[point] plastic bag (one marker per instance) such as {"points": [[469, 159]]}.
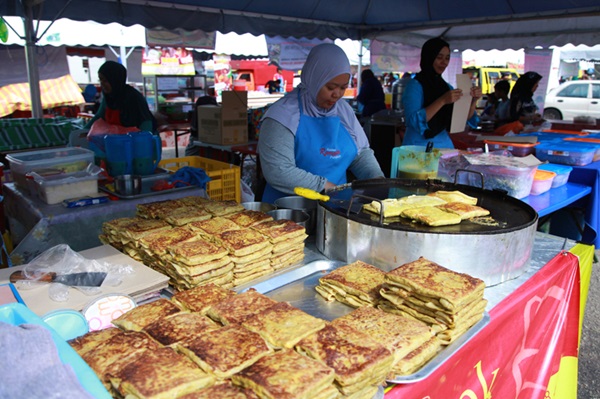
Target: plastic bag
{"points": [[247, 194], [62, 260], [101, 128]]}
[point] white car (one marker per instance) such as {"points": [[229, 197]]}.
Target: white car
{"points": [[573, 98]]}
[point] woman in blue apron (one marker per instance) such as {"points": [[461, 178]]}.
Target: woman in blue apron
{"points": [[311, 139]]}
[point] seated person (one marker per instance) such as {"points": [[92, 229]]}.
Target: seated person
{"points": [[501, 90], [274, 86]]}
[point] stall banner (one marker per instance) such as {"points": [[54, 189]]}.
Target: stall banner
{"points": [[198, 39], [223, 77], [527, 351], [540, 61], [167, 61], [290, 53], [394, 57]]}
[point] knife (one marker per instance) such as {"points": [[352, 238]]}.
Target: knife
{"points": [[85, 279]]}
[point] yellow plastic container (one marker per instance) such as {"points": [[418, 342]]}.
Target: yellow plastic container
{"points": [[225, 177]]}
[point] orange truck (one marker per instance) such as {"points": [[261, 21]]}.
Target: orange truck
{"points": [[257, 73]]}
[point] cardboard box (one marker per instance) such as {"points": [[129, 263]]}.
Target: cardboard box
{"points": [[226, 124]]}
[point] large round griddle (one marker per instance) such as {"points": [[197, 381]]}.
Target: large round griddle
{"points": [[495, 248]]}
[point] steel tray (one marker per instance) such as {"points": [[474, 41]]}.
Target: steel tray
{"points": [[147, 183], [298, 288]]}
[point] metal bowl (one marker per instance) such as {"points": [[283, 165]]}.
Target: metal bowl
{"points": [[259, 206], [128, 184], [295, 215], [300, 203]]}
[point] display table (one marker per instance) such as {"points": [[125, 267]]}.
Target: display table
{"points": [[557, 198], [36, 226]]}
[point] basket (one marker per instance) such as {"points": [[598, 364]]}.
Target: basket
{"points": [[225, 178]]}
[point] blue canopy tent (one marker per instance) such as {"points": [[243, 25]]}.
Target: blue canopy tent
{"points": [[467, 24]]}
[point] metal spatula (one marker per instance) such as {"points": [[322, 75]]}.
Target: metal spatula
{"points": [[352, 207]]}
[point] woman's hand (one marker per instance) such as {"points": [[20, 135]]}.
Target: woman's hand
{"points": [[451, 96], [476, 93]]}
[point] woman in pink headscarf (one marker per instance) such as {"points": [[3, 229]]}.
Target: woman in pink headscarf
{"points": [[311, 139]]}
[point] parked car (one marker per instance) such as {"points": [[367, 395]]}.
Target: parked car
{"points": [[573, 98]]}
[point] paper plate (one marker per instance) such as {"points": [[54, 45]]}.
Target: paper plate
{"points": [[103, 310]]}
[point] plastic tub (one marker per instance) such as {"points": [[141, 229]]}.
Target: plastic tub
{"points": [[566, 153], [542, 182], [517, 149], [57, 160], [54, 188], [562, 173], [412, 162], [591, 141]]}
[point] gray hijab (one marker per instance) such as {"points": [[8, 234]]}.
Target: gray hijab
{"points": [[324, 62]]}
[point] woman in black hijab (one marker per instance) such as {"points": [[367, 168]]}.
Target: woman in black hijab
{"points": [[122, 104], [522, 107], [428, 99]]}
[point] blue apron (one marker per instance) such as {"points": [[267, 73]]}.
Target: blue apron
{"points": [[323, 147]]}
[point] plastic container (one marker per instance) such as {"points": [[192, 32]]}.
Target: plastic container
{"points": [[58, 160], [517, 149], [562, 173], [412, 162], [591, 141], [68, 323], [54, 188], [542, 181], [500, 172], [225, 178], [566, 152]]}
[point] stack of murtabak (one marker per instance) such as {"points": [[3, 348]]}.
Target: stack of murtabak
{"points": [[197, 241], [413, 310], [210, 342]]}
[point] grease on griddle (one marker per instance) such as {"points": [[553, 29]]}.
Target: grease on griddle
{"points": [[488, 221]]}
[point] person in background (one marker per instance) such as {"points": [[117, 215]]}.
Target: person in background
{"points": [[309, 138], [273, 86], [501, 90], [428, 99], [279, 77], [121, 104], [371, 95], [522, 107]]}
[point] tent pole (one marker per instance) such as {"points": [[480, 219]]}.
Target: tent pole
{"points": [[33, 73], [360, 55]]}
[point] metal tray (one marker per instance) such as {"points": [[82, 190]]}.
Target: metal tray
{"points": [[298, 288], [147, 183]]}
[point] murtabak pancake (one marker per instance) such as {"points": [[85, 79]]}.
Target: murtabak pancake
{"points": [[160, 374], [237, 308], [239, 280], [452, 289], [356, 284], [465, 211], [179, 327], [132, 229], [283, 325], [157, 243], [247, 218], [454, 196], [197, 251], [291, 244], [287, 258], [222, 390], [243, 242], [225, 281], [287, 375], [357, 359], [198, 279], [393, 207], [261, 254], [214, 226], [151, 210], [226, 350], [185, 270], [193, 201], [183, 215], [85, 343], [418, 357], [139, 317], [431, 216], [221, 208], [280, 230]]}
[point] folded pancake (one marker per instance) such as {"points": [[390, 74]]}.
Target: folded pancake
{"points": [[193, 200], [261, 254], [247, 218], [222, 390], [151, 210], [179, 327], [221, 208], [435, 325], [400, 335], [431, 216], [183, 215], [368, 391], [113, 354], [451, 334], [454, 196], [156, 244], [199, 299], [465, 211], [243, 279], [250, 268], [451, 289], [243, 242], [357, 359], [132, 229], [287, 245], [416, 359], [210, 275], [356, 284], [214, 226], [197, 251], [139, 317], [183, 270], [280, 230], [237, 308], [287, 258], [226, 350], [287, 375], [85, 343], [393, 207], [159, 374], [224, 280], [283, 325]]}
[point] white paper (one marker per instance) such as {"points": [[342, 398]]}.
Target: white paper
{"points": [[460, 112]]}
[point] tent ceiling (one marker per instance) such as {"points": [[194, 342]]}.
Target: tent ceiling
{"points": [[474, 24]]}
